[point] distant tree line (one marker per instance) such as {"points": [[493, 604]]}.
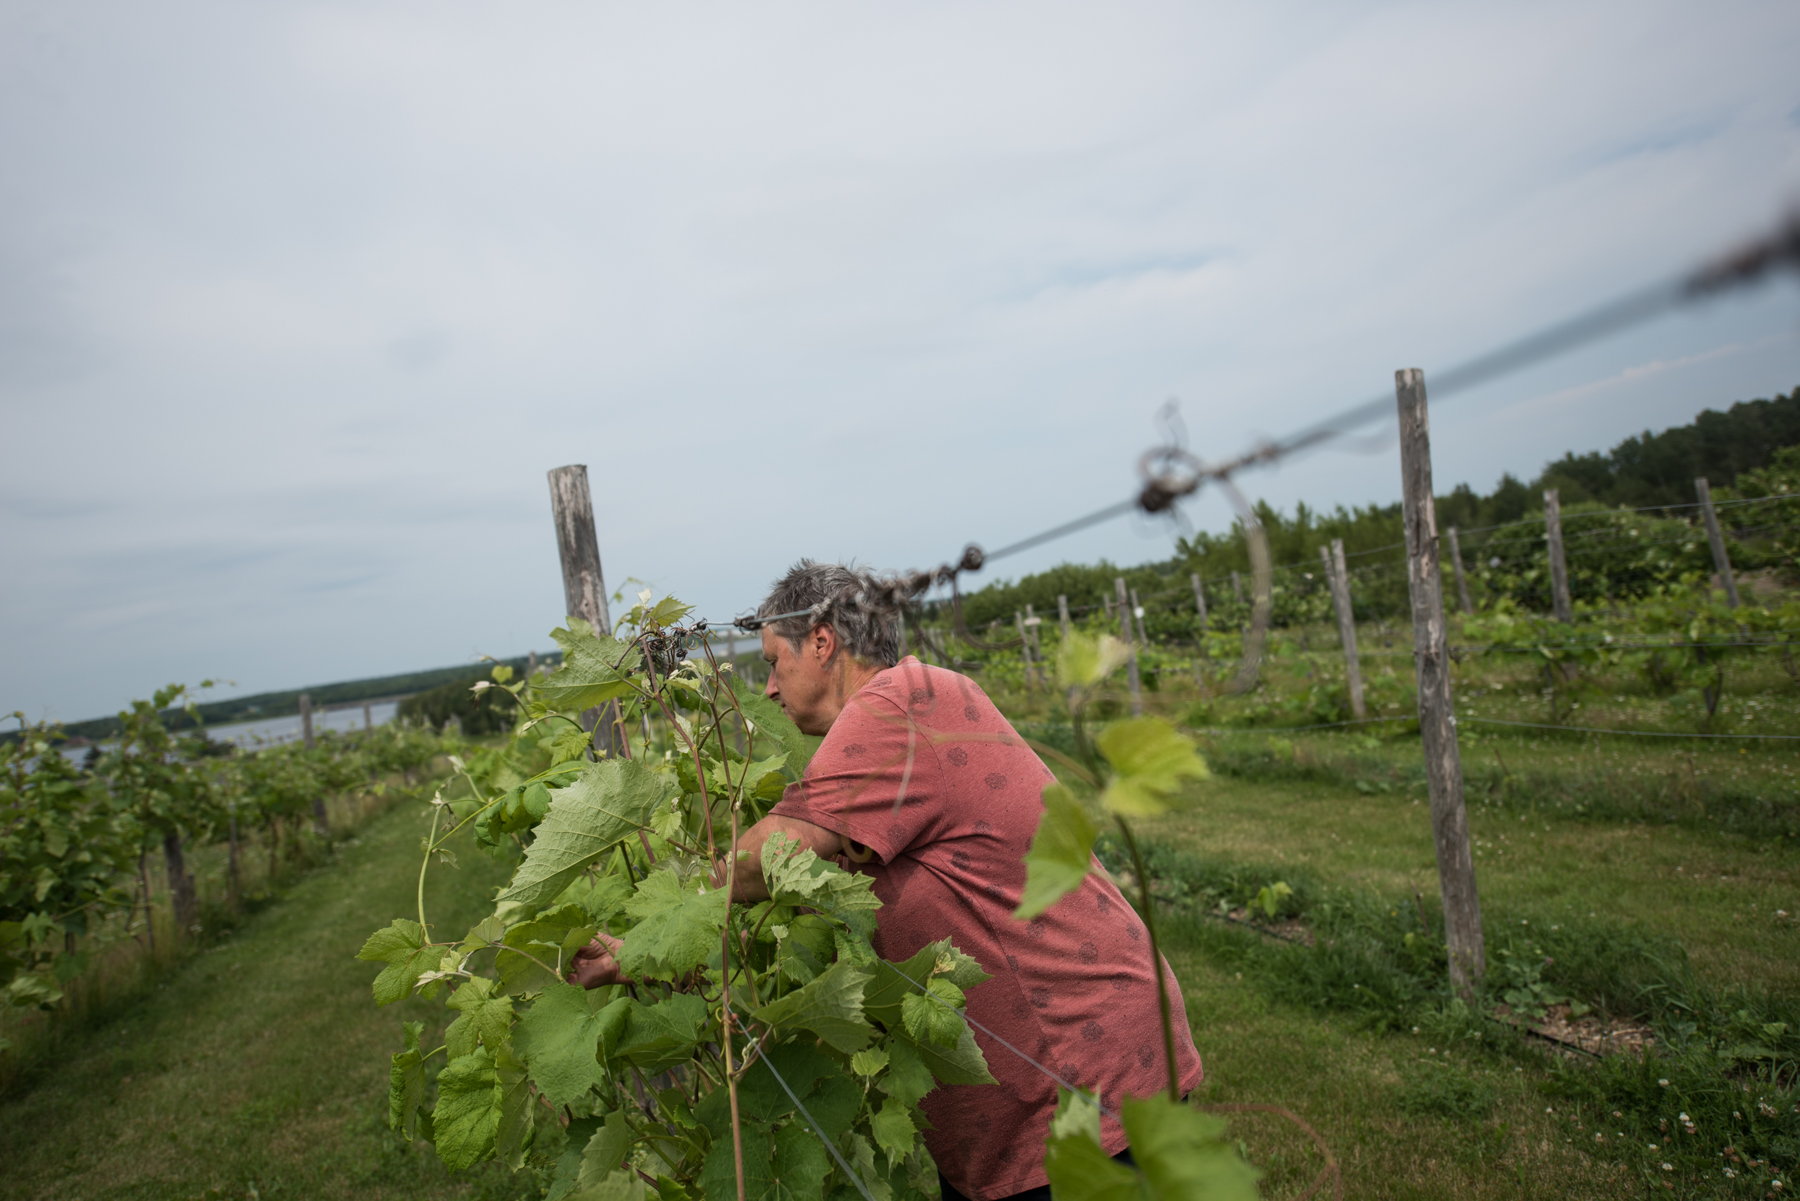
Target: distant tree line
{"points": [[1609, 554]]}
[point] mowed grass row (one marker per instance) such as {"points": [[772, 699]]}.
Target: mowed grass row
{"points": [[1732, 902], [259, 1068]]}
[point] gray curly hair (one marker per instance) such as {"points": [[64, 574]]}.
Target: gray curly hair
{"points": [[861, 606]]}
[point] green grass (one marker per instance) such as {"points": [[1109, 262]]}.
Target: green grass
{"points": [[259, 1067], [1356, 1089], [1717, 895]]}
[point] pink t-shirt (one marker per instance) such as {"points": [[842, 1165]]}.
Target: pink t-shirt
{"points": [[1072, 988]]}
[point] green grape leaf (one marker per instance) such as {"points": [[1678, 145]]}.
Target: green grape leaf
{"points": [[894, 1130], [929, 1021], [468, 1110], [565, 741], [895, 981], [961, 1064], [657, 1037], [594, 670], [512, 1135], [870, 1062], [605, 1151], [1150, 760], [482, 1015], [559, 1040], [908, 1078], [718, 1176], [1084, 660], [620, 1185], [535, 949], [771, 723], [678, 926], [862, 1162], [400, 945], [1184, 1153], [608, 801], [1080, 1170], [1075, 1113], [831, 1007], [1061, 852], [962, 970], [801, 1164], [406, 1083], [797, 876]]}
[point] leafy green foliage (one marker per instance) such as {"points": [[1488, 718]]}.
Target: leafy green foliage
{"points": [[591, 1089], [1151, 762], [1180, 1155]]}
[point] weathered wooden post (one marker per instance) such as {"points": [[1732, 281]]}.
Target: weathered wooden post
{"points": [[1559, 568], [1437, 718], [1721, 560], [584, 585], [1137, 611], [1200, 634], [1338, 576], [1025, 650], [1462, 582], [368, 716], [1032, 624], [321, 819], [1131, 664], [1237, 588], [236, 885]]}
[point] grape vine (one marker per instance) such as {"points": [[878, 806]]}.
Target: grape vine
{"points": [[752, 1051]]}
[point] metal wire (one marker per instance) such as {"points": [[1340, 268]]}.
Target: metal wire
{"points": [[819, 1130]]}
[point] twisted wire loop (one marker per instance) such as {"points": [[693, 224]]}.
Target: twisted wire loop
{"points": [[1171, 473]]}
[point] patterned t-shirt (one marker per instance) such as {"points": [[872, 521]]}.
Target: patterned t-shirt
{"points": [[1072, 988]]}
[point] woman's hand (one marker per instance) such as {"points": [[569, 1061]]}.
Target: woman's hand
{"points": [[595, 965]]}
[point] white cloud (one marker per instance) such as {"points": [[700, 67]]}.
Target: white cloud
{"points": [[303, 298]]}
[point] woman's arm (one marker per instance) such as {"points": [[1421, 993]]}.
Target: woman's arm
{"points": [[747, 883]]}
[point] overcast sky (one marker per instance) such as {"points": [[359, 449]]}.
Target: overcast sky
{"points": [[298, 302]]}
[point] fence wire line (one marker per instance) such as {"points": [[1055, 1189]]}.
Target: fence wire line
{"points": [[818, 1130], [1171, 473]]}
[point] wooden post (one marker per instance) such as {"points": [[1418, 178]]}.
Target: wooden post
{"points": [[236, 887], [1032, 622], [1721, 560], [1106, 603], [1237, 588], [1462, 582], [1131, 664], [1559, 568], [1339, 578], [1137, 611], [584, 585], [368, 716], [321, 819], [1025, 650], [1437, 718], [1062, 615], [1200, 636]]}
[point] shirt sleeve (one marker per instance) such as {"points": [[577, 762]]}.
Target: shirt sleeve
{"points": [[875, 779]]}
